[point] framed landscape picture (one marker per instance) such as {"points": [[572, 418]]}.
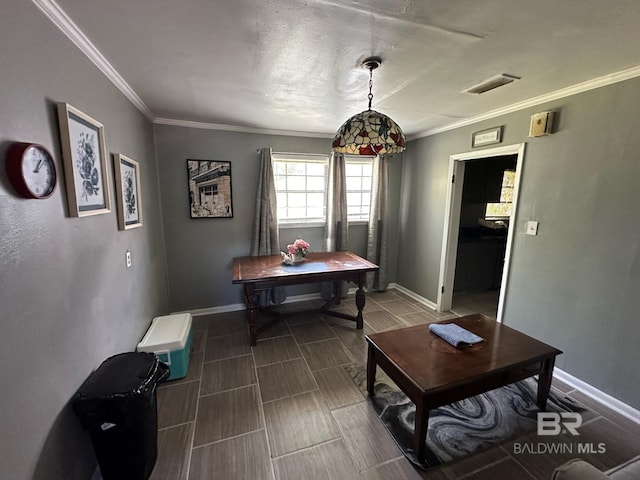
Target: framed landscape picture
{"points": [[128, 192], [85, 163], [209, 189]]}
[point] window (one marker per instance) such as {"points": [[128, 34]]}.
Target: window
{"points": [[301, 182], [503, 209], [358, 172], [300, 186], [208, 194]]}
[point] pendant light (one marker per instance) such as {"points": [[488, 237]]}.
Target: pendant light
{"points": [[369, 132]]}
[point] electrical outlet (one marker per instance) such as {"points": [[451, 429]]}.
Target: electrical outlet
{"points": [[532, 227], [128, 258]]}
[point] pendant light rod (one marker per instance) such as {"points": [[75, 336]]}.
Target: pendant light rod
{"points": [[371, 63]]}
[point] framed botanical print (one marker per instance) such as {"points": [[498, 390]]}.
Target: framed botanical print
{"points": [[85, 162], [209, 189], [129, 203]]}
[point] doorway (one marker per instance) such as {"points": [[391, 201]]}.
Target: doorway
{"points": [[479, 230]]}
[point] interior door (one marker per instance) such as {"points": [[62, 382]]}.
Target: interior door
{"points": [[453, 216]]}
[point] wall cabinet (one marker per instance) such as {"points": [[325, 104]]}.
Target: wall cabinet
{"points": [[483, 179]]}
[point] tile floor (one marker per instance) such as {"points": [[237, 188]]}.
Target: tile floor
{"points": [[286, 409], [481, 302]]}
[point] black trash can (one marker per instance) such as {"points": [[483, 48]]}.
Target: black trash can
{"points": [[117, 404]]}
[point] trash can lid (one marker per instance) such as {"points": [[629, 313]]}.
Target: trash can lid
{"points": [[125, 373]]}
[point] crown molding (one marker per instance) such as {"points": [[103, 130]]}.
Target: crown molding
{"points": [[603, 81], [64, 23], [235, 128]]}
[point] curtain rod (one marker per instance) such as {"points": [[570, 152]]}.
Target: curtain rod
{"points": [[319, 154], [297, 153]]}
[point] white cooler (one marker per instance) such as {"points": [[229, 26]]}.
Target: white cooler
{"points": [[169, 338]]}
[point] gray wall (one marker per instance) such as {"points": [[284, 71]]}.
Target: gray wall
{"points": [[67, 300], [200, 251], [575, 284]]}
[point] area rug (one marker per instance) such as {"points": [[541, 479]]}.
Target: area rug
{"points": [[462, 428]]}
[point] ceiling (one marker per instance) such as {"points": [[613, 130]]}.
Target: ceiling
{"points": [[294, 65]]}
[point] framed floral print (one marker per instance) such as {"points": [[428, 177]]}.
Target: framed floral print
{"points": [[209, 189], [127, 192], [85, 162]]}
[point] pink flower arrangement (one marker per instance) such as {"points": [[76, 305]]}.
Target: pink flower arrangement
{"points": [[299, 246]]}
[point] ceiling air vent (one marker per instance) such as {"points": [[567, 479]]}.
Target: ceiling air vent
{"points": [[491, 83]]}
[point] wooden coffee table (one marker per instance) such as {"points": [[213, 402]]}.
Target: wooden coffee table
{"points": [[433, 373]]}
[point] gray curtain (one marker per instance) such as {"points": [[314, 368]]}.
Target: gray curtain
{"points": [[377, 238], [336, 232], [266, 238]]}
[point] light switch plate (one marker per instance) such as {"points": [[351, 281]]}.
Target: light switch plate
{"points": [[128, 257], [532, 227]]}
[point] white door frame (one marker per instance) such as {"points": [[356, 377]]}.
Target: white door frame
{"points": [[452, 222]]}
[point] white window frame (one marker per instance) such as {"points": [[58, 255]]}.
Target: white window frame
{"points": [[316, 159], [301, 158], [360, 218]]}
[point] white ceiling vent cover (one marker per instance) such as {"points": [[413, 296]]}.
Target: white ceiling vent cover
{"points": [[491, 83]]}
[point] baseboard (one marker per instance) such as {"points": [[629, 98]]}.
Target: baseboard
{"points": [[414, 295], [235, 307], [598, 395], [303, 298]]}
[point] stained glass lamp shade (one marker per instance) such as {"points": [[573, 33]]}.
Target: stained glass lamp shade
{"points": [[369, 132]]}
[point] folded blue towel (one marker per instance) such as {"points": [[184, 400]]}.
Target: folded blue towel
{"points": [[455, 334]]}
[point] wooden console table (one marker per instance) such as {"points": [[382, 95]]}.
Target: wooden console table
{"points": [[261, 273]]}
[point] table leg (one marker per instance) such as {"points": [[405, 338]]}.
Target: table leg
{"points": [[337, 288], [421, 425], [252, 306], [360, 298], [544, 382], [371, 369]]}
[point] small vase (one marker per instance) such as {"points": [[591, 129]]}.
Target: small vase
{"points": [[297, 258]]}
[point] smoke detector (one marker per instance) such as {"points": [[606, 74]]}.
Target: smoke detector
{"points": [[491, 83]]}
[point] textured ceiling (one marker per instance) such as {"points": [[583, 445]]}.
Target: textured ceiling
{"points": [[295, 65]]}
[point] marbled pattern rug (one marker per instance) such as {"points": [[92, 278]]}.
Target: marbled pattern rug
{"points": [[464, 427]]}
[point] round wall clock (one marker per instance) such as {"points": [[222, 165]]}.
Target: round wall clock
{"points": [[31, 170]]}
